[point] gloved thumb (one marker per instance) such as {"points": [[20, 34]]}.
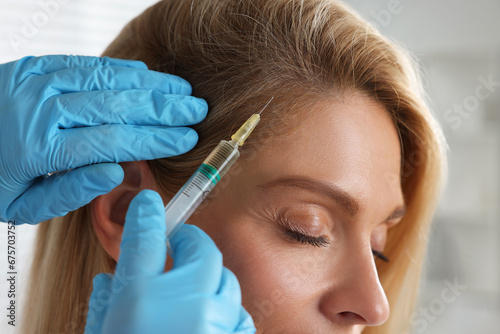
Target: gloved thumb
{"points": [[197, 259], [245, 325], [98, 303], [143, 249]]}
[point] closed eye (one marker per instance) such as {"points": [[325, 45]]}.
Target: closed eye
{"points": [[380, 255], [320, 241]]}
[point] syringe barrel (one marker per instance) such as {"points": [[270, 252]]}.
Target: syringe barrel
{"points": [[199, 185]]}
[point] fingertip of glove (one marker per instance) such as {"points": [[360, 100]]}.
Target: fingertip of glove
{"points": [[188, 140], [246, 324], [104, 176], [101, 280], [147, 197], [114, 172], [202, 109], [203, 105], [146, 212], [194, 236]]}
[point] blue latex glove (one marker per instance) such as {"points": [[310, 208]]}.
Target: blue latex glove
{"points": [[63, 112], [197, 296]]}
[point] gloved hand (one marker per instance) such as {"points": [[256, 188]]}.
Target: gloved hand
{"points": [[197, 296], [64, 112]]}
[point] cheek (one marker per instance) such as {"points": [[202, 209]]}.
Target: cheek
{"points": [[278, 279], [253, 260]]}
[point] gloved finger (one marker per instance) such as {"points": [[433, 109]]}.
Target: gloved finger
{"points": [[230, 292], [227, 302], [143, 250], [116, 143], [136, 107], [229, 287], [64, 192], [52, 63], [114, 78], [98, 302], [196, 256], [245, 323]]}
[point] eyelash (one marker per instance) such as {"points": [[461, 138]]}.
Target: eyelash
{"points": [[380, 255], [322, 241], [290, 231]]}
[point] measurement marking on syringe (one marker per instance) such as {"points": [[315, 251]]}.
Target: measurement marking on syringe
{"points": [[197, 183]]}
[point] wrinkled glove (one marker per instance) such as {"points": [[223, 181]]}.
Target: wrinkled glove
{"points": [[84, 114], [197, 296]]}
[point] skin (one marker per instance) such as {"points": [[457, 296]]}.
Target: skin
{"points": [[294, 287], [290, 286]]}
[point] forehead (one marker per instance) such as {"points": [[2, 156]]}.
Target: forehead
{"points": [[351, 142]]}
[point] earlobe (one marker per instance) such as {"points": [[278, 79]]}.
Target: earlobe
{"points": [[108, 211]]}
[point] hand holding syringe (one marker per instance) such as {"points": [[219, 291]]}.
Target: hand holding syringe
{"points": [[199, 185]]}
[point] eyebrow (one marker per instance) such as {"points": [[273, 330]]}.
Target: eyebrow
{"points": [[332, 191]]}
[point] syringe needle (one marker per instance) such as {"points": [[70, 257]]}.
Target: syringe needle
{"points": [[266, 105]]}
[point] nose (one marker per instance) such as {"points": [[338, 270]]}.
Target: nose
{"points": [[355, 296]]}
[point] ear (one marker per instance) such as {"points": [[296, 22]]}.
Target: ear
{"points": [[108, 211]]}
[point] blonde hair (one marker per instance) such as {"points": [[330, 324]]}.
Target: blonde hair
{"points": [[236, 53]]}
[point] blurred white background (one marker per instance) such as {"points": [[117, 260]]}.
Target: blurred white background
{"points": [[458, 45]]}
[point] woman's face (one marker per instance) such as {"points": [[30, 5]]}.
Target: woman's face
{"points": [[297, 221]]}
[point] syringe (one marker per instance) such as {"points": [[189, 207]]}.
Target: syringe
{"points": [[199, 185]]}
